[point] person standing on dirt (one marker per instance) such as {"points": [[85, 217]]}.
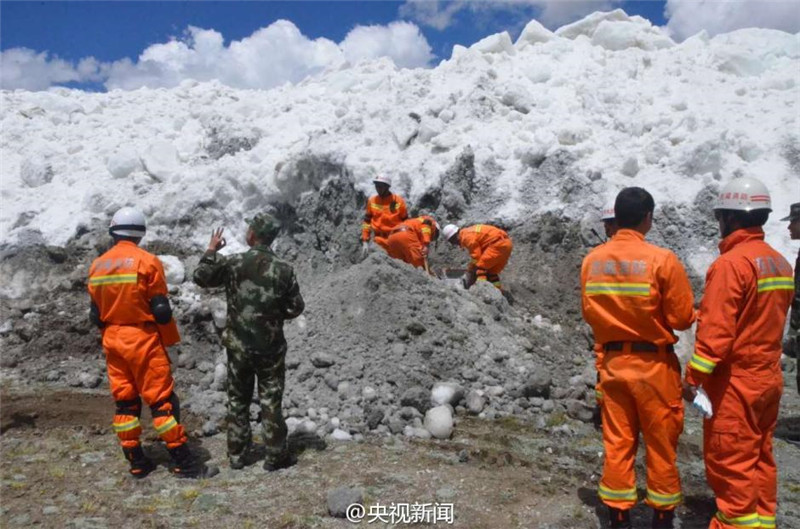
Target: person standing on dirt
{"points": [[634, 295], [488, 246], [385, 211], [410, 241], [737, 358], [129, 304], [792, 347], [261, 292]]}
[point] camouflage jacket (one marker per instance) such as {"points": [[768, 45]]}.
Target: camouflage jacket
{"points": [[261, 290]]}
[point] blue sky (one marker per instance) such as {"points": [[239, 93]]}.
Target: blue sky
{"points": [[85, 44]]}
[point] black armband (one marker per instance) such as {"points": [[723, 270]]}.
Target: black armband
{"points": [[160, 308]]}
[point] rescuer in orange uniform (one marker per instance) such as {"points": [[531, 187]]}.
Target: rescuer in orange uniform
{"points": [[410, 240], [748, 291], [129, 304], [385, 211], [489, 249], [634, 295]]}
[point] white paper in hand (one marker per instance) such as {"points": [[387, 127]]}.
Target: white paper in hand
{"points": [[703, 403]]}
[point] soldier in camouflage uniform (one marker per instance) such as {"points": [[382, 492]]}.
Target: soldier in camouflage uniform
{"points": [[262, 292]]}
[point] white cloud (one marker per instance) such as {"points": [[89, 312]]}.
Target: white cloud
{"points": [[688, 17], [551, 13], [24, 68], [402, 41], [269, 57]]}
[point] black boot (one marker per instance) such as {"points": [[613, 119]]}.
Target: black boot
{"points": [[285, 460], [187, 465], [619, 519], [141, 465], [663, 519]]}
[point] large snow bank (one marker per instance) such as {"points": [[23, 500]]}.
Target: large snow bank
{"points": [[610, 93]]}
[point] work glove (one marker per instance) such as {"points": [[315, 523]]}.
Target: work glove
{"points": [[703, 403], [364, 248]]}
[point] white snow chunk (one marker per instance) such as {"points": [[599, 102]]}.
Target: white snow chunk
{"points": [[588, 25], [621, 35], [497, 43], [439, 422], [123, 162], [35, 173], [160, 160], [173, 269], [534, 33]]}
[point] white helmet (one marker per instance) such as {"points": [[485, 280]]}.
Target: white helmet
{"points": [[128, 222], [608, 212], [449, 231], [382, 179], [744, 194]]}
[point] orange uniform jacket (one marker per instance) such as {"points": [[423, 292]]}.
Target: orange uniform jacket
{"points": [[122, 282], [748, 292], [634, 291], [737, 361], [488, 247], [382, 215]]}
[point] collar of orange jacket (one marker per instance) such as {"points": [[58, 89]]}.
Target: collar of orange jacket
{"points": [[627, 234], [740, 236]]}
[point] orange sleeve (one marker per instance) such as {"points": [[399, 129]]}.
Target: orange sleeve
{"points": [[677, 298], [367, 224], [469, 240], [157, 286], [403, 212], [716, 327]]}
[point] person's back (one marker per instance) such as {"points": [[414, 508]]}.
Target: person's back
{"points": [[128, 290], [634, 295], [261, 292]]}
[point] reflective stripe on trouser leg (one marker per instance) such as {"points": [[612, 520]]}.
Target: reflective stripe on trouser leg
{"points": [[495, 280], [128, 430], [166, 425], [617, 487], [767, 520], [745, 521]]}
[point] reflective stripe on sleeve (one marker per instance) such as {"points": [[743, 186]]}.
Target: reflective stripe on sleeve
{"points": [[702, 364]]}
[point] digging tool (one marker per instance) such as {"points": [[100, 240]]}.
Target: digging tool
{"points": [[599, 237]]}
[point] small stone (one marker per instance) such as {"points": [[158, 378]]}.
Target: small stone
{"points": [[322, 360], [416, 397], [476, 401], [210, 428], [340, 435], [538, 385], [445, 493], [341, 498], [50, 509], [548, 406], [92, 457]]}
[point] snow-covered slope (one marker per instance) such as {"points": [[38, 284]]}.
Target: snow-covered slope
{"points": [[627, 104]]}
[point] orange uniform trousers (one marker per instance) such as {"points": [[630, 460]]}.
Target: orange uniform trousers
{"points": [[641, 392], [138, 365], [404, 245], [737, 443]]}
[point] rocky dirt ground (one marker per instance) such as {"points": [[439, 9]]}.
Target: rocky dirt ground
{"points": [[61, 467]]}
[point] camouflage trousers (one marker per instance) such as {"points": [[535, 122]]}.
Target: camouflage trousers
{"points": [[244, 367]]}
